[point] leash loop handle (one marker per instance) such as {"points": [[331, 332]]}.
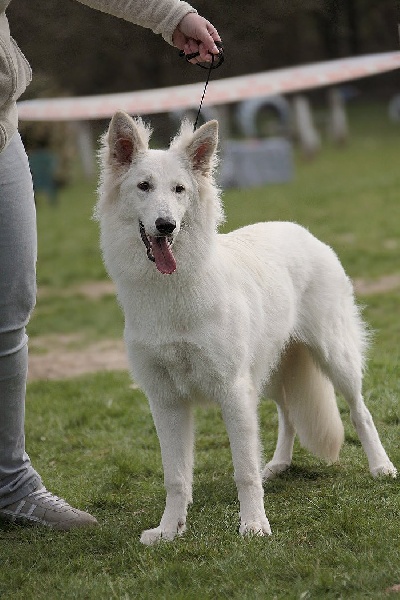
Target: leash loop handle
{"points": [[209, 66]]}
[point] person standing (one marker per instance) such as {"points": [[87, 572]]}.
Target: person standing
{"points": [[23, 497]]}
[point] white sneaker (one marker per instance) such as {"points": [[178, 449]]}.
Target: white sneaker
{"points": [[43, 508]]}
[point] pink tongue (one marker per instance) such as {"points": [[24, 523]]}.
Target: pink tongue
{"points": [[165, 260]]}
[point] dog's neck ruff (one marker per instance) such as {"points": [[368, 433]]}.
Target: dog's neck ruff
{"points": [[158, 251]]}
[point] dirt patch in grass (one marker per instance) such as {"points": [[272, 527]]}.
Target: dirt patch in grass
{"points": [[93, 290], [61, 362], [381, 285]]}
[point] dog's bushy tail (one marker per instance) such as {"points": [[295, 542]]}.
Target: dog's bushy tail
{"points": [[311, 404]]}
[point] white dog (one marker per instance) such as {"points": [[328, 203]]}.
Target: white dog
{"points": [[266, 309]]}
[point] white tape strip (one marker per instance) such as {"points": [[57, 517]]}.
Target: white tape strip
{"points": [[222, 91]]}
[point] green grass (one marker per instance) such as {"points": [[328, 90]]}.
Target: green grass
{"points": [[68, 247], [91, 318], [335, 530]]}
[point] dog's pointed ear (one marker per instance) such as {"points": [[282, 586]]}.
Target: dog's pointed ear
{"points": [[202, 147], [126, 138]]}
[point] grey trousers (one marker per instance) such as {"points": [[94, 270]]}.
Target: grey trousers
{"points": [[18, 250]]}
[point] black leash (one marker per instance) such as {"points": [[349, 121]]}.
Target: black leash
{"points": [[214, 64]]}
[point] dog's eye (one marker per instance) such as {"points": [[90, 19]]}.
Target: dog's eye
{"points": [[144, 186], [179, 189]]}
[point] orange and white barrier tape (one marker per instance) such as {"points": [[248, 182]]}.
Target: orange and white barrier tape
{"points": [[222, 91]]}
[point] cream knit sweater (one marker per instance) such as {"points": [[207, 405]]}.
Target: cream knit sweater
{"points": [[161, 16]]}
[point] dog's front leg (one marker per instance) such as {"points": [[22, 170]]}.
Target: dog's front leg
{"points": [[240, 415], [174, 425]]}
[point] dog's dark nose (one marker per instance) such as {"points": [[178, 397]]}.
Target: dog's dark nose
{"points": [[164, 226]]}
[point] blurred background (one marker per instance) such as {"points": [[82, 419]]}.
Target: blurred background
{"points": [[81, 51], [76, 51]]}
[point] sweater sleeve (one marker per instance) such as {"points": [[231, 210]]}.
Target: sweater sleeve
{"points": [[161, 16]]}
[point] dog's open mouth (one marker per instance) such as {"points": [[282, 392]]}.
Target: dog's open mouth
{"points": [[159, 251]]}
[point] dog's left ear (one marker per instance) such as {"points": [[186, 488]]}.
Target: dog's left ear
{"points": [[202, 147], [126, 138]]}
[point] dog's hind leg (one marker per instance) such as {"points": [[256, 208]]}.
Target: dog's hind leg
{"points": [[379, 462], [239, 410], [174, 425], [341, 359], [282, 457], [349, 386]]}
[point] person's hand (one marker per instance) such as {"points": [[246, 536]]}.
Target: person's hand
{"points": [[195, 34]]}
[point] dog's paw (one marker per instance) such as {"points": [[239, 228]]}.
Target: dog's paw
{"points": [[152, 536], [272, 469], [158, 534], [258, 528], [385, 470]]}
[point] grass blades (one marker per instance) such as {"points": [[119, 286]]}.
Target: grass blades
{"points": [[335, 530]]}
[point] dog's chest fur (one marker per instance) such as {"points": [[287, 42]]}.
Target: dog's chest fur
{"points": [[177, 342], [195, 373]]}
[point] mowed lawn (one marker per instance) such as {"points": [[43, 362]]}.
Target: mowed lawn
{"points": [[336, 531]]}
